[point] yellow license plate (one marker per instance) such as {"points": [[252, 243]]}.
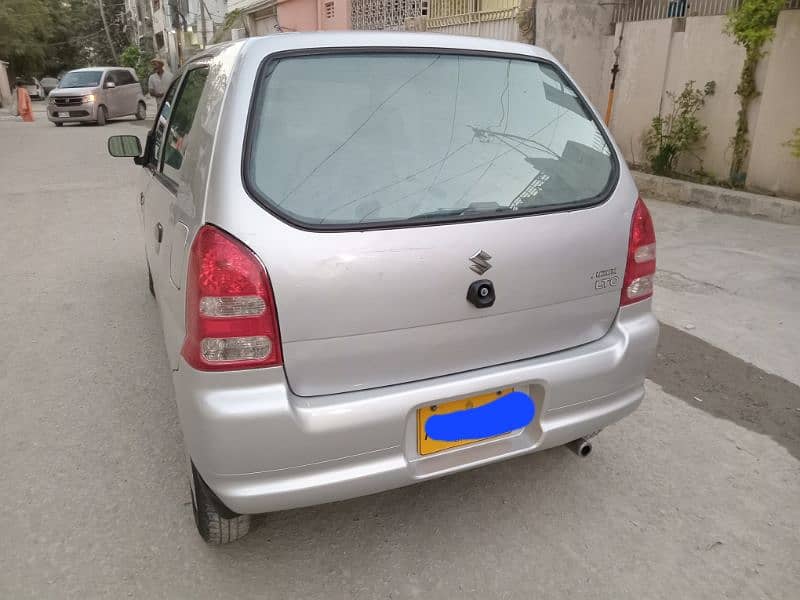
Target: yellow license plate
{"points": [[426, 445]]}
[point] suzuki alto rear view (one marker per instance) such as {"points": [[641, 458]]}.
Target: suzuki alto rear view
{"points": [[380, 258]]}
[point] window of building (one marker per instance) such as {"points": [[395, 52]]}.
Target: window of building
{"points": [[329, 10], [159, 40], [156, 4]]}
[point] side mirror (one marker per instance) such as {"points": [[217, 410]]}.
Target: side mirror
{"points": [[125, 146], [111, 85]]}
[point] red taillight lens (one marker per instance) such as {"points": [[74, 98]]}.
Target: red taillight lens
{"points": [[231, 322], [641, 267]]}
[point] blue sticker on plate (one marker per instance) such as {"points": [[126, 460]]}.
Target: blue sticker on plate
{"points": [[507, 413]]}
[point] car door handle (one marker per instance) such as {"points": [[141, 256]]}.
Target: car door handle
{"points": [[159, 232], [141, 199]]}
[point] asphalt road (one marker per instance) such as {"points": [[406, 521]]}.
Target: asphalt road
{"points": [[693, 496]]}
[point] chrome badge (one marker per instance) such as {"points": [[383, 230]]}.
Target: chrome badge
{"points": [[480, 262]]}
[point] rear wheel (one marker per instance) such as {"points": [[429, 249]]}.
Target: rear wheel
{"points": [[102, 116], [141, 111], [215, 522], [57, 124]]}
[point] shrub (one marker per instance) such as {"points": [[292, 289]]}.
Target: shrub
{"points": [[678, 132], [794, 143]]}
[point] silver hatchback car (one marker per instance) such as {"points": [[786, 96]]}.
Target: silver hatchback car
{"points": [[381, 258], [96, 94]]}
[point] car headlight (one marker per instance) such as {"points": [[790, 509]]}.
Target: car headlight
{"points": [[51, 100], [87, 99]]}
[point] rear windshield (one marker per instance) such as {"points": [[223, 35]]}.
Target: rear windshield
{"points": [[381, 138], [77, 79]]}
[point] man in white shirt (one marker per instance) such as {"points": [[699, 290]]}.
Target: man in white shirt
{"points": [[159, 80]]}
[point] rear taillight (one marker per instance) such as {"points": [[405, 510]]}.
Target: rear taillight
{"points": [[641, 267], [231, 322]]}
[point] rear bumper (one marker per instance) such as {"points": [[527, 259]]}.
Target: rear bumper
{"points": [[261, 448]]}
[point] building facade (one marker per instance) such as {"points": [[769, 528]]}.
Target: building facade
{"points": [[174, 29], [263, 17], [484, 18], [487, 18], [139, 23]]}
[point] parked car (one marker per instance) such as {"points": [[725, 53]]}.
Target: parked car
{"points": [[96, 94], [34, 88], [48, 84], [383, 258]]}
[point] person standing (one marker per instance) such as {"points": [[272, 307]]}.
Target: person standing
{"points": [[158, 83], [24, 107]]}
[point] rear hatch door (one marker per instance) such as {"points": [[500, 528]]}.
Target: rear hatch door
{"points": [[392, 181]]}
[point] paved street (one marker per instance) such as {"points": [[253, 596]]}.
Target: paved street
{"points": [[693, 496]]}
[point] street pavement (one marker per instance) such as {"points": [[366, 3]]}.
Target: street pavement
{"points": [[693, 496]]}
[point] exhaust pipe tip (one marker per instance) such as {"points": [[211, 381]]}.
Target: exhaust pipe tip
{"points": [[582, 447]]}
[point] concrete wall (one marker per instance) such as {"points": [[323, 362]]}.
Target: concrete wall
{"points": [[248, 5], [263, 22], [700, 54], [299, 15], [340, 18], [772, 167], [502, 29], [292, 15], [662, 55], [5, 87], [574, 31], [643, 64]]}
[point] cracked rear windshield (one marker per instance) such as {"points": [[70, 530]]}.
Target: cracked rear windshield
{"points": [[371, 139]]}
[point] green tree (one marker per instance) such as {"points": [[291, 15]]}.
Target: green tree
{"points": [[794, 143], [67, 45], [679, 131], [24, 27], [115, 16], [138, 60], [46, 37]]}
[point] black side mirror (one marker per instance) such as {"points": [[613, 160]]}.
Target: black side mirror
{"points": [[125, 146]]}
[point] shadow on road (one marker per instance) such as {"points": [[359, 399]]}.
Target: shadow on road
{"points": [[728, 387]]}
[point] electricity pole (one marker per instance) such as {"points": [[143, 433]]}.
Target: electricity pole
{"points": [[203, 21], [108, 33], [177, 23]]}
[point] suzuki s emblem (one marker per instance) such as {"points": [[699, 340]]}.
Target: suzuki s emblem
{"points": [[480, 262]]}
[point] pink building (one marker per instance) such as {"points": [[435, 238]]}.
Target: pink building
{"points": [[263, 17]]}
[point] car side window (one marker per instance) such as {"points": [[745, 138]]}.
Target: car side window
{"points": [[161, 123], [124, 77], [182, 119]]}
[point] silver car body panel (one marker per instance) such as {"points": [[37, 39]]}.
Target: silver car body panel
{"points": [[362, 351]]}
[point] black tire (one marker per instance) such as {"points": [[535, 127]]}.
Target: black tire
{"points": [[102, 116], [58, 124], [216, 524], [141, 111], [150, 282]]}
